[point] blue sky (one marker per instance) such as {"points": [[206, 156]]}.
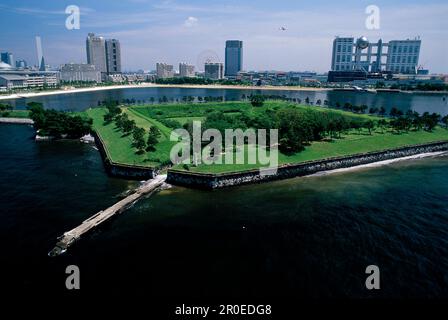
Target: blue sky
{"points": [[179, 30]]}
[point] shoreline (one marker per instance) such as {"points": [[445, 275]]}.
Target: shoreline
{"points": [[306, 169], [16, 120], [15, 96], [379, 163]]}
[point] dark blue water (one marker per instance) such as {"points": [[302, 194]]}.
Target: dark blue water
{"points": [[432, 102], [305, 237]]}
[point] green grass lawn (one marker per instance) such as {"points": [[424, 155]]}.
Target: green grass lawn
{"points": [[350, 144], [120, 147], [15, 114]]}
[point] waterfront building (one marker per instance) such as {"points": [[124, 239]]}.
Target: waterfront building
{"points": [[7, 58], [397, 56], [21, 64], [233, 58], [164, 70], [113, 56], [12, 78], [12, 81], [186, 70], [214, 70], [72, 72], [96, 52]]}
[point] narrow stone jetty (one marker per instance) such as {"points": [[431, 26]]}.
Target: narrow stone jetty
{"points": [[16, 120], [69, 237]]}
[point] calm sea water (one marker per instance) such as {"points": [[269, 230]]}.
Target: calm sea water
{"points": [[305, 237], [433, 102]]}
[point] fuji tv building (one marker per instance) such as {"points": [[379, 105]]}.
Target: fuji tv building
{"points": [[358, 59]]}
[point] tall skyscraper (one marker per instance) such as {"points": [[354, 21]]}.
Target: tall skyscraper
{"points": [[40, 54], [398, 56], [234, 57], [186, 70], [214, 71], [96, 52], [113, 56], [8, 58]]}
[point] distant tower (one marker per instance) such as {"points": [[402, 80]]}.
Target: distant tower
{"points": [[113, 56], [42, 65], [234, 57], [39, 52], [96, 52]]}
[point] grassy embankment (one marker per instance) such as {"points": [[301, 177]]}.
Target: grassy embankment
{"points": [[15, 114], [354, 142]]}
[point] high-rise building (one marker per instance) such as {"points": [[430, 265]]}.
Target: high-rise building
{"points": [[403, 55], [186, 70], [40, 54], [8, 58], [234, 58], [113, 56], [398, 56], [164, 70], [96, 52], [214, 70]]}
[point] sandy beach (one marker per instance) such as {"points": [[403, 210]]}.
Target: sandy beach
{"points": [[152, 85]]}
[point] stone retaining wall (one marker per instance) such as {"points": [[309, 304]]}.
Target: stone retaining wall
{"points": [[214, 181], [118, 170]]}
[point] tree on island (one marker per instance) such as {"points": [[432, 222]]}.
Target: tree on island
{"points": [[369, 125], [153, 138], [382, 123], [58, 124], [445, 121], [430, 120], [257, 100], [382, 111], [138, 135], [394, 112], [128, 126]]}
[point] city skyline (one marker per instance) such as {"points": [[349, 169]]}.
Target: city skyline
{"points": [[152, 31]]}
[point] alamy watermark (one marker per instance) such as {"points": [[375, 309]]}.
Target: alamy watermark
{"points": [[73, 280], [373, 280], [73, 21], [238, 147], [373, 17]]}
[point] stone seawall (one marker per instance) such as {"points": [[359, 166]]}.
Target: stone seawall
{"points": [[16, 121], [214, 181], [134, 172]]}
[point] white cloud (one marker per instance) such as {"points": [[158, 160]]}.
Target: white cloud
{"points": [[191, 22]]}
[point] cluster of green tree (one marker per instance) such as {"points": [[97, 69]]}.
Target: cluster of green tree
{"points": [[199, 81], [58, 124], [5, 109], [184, 80], [298, 127], [413, 120], [127, 126], [80, 84], [170, 123], [421, 87]]}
